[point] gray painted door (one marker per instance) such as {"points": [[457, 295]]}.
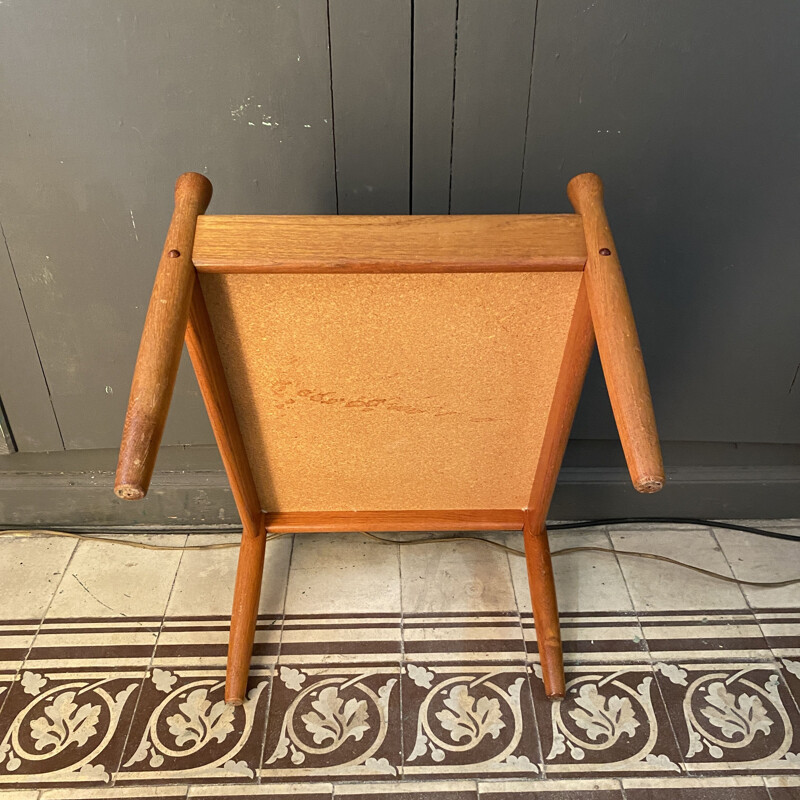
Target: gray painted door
{"points": [[687, 110]]}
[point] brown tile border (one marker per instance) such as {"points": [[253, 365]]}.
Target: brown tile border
{"points": [[359, 655]]}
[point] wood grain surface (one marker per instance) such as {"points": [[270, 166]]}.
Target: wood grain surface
{"points": [[617, 339], [311, 244]]}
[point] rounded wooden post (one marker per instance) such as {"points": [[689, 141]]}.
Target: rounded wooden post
{"points": [[545, 608], [162, 341], [617, 339], [211, 378]]}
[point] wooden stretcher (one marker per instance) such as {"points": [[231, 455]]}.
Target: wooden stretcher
{"points": [[389, 373]]}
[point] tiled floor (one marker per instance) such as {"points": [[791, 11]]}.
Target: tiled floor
{"points": [[383, 671]]}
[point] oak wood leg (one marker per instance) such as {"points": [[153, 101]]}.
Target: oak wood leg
{"points": [[245, 612], [545, 610]]}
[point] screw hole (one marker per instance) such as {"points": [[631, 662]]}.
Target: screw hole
{"points": [[177, 253], [604, 251]]}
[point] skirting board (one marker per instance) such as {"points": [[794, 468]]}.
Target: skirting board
{"points": [[201, 500]]}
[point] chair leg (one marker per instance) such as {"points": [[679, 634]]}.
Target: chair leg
{"points": [[545, 610], [245, 612]]}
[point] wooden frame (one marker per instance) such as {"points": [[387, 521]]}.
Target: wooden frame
{"points": [[303, 245]]}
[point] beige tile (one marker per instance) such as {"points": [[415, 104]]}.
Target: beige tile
{"points": [[757, 558], [30, 570], [658, 586], [205, 579], [311, 791], [707, 782], [566, 786], [117, 793], [459, 576], [783, 782], [109, 580], [584, 581], [342, 573], [416, 789]]}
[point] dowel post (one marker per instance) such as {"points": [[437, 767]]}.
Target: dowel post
{"points": [[577, 352], [162, 341], [207, 364], [617, 339], [545, 608]]}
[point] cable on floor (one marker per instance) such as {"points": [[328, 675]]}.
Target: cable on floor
{"points": [[436, 540]]}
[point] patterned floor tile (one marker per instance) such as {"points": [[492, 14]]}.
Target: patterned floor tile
{"points": [[174, 792], [19, 794], [342, 573], [335, 720], [783, 787], [316, 791], [66, 725], [30, 571], [727, 788], [203, 642], [593, 637], [468, 719], [732, 717], [16, 637], [603, 789], [463, 637], [657, 586], [106, 580], [458, 576], [680, 636], [120, 694], [757, 558], [334, 638], [612, 720], [184, 731], [584, 581], [409, 790], [781, 628], [205, 578], [790, 671], [92, 642]]}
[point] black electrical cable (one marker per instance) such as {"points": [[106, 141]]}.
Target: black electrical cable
{"points": [[731, 526]]}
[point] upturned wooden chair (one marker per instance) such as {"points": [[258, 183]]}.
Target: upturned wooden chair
{"points": [[389, 373]]}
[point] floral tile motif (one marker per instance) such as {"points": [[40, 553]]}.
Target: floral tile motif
{"points": [[612, 720], [66, 726], [468, 719], [732, 717], [183, 729], [337, 720], [790, 669]]}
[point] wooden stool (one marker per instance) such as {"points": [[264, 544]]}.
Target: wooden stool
{"points": [[389, 373]]}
